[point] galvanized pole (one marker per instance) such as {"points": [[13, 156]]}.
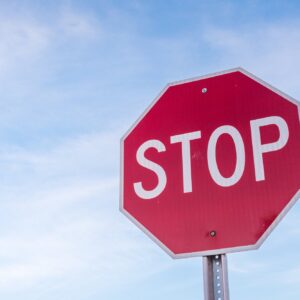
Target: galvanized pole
{"points": [[215, 277]]}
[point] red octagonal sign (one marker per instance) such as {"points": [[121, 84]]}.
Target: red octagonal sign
{"points": [[213, 164]]}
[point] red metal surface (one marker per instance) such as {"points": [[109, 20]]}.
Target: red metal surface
{"points": [[239, 214]]}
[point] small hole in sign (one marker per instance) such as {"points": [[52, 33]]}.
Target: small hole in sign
{"points": [[213, 233]]}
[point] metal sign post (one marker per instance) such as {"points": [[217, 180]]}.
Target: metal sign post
{"points": [[215, 277]]}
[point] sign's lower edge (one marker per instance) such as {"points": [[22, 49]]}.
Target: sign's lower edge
{"points": [[216, 251]]}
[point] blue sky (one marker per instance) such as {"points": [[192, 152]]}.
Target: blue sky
{"points": [[74, 76]]}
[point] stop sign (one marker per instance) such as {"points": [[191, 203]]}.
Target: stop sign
{"points": [[212, 165]]}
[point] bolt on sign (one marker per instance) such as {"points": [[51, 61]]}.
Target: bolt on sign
{"points": [[212, 165]]}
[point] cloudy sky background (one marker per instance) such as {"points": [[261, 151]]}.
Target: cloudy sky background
{"points": [[74, 76]]}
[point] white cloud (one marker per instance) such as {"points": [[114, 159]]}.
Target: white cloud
{"points": [[78, 155], [290, 276], [62, 224], [21, 40], [25, 39], [29, 260], [77, 24], [270, 50], [242, 264]]}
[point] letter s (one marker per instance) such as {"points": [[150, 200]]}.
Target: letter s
{"points": [[154, 167]]}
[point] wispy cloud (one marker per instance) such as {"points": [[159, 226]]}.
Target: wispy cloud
{"points": [[267, 49], [21, 40], [64, 219], [73, 23]]}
